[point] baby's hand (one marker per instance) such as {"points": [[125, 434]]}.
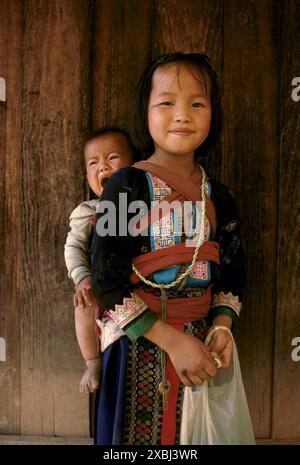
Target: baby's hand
{"points": [[90, 380], [221, 345], [83, 296]]}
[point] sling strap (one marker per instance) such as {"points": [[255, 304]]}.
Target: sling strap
{"points": [[159, 259], [189, 190]]}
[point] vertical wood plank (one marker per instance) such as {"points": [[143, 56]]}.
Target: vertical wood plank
{"points": [[56, 64], [250, 160], [192, 26], [122, 48], [10, 234], [287, 371]]}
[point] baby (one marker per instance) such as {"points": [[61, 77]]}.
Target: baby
{"points": [[106, 150]]}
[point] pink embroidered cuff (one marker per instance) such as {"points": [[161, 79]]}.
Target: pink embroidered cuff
{"points": [[128, 311], [227, 300]]}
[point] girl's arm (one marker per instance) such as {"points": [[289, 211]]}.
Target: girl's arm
{"points": [[227, 289]]}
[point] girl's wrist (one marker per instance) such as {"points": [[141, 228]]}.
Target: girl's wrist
{"points": [[162, 334], [222, 320]]}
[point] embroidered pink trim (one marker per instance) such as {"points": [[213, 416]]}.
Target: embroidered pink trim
{"points": [[131, 309], [227, 300]]}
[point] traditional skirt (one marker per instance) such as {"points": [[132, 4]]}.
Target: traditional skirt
{"points": [[128, 403]]}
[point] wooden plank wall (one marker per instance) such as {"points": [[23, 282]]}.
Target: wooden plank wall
{"points": [[249, 168], [286, 396], [122, 47], [10, 230], [55, 119], [80, 61]]}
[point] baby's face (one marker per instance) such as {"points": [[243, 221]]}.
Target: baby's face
{"points": [[104, 155]]}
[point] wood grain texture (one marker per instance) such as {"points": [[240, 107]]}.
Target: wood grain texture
{"points": [[249, 168], [286, 371], [122, 48], [191, 26], [56, 106], [10, 234]]}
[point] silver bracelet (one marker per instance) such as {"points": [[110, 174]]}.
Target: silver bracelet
{"points": [[216, 328]]}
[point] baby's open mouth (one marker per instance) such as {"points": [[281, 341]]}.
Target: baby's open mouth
{"points": [[103, 182]]}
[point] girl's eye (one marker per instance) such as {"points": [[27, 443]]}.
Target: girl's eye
{"points": [[92, 162], [167, 104], [198, 105]]}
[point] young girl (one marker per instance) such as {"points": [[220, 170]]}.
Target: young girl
{"points": [[164, 286], [106, 150]]}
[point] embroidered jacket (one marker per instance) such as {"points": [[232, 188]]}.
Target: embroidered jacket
{"points": [[112, 255]]}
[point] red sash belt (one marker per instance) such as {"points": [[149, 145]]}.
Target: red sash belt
{"points": [[181, 310]]}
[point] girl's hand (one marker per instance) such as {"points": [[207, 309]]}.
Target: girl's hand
{"points": [[221, 345], [83, 296], [191, 360], [189, 356]]}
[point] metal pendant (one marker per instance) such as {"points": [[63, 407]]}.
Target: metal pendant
{"points": [[164, 388]]}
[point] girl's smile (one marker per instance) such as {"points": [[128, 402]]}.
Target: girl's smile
{"points": [[179, 112], [182, 131]]}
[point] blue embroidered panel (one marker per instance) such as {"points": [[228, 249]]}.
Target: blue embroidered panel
{"points": [[167, 232]]}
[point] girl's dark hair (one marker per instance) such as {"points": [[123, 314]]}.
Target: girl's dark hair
{"points": [[114, 129], [139, 117]]}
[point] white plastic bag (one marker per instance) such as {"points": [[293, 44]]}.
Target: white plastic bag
{"points": [[217, 411]]}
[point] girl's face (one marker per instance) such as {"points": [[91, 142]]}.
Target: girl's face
{"points": [[179, 111]]}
